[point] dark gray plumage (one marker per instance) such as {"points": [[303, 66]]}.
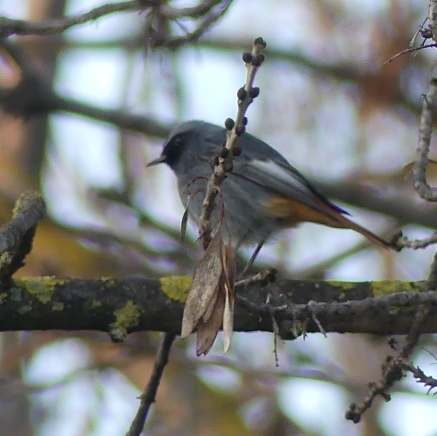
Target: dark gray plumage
{"points": [[262, 193]]}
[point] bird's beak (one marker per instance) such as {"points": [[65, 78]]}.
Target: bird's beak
{"points": [[160, 159]]}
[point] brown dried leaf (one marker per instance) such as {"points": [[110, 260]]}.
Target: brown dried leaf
{"points": [[229, 274], [228, 321], [204, 286], [230, 265], [210, 308], [207, 332]]}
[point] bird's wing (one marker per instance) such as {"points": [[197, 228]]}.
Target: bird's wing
{"points": [[283, 180], [263, 165]]}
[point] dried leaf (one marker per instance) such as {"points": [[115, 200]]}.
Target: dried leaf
{"points": [[210, 307], [228, 320], [207, 332], [229, 273], [204, 286], [230, 264]]}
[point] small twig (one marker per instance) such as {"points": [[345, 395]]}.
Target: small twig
{"points": [[263, 277], [402, 242], [419, 375], [195, 11], [316, 320], [10, 27], [409, 50], [149, 394], [276, 333], [420, 30], [392, 369], [158, 38]]}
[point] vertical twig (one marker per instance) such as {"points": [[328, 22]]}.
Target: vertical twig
{"points": [[426, 123], [149, 394], [245, 96]]}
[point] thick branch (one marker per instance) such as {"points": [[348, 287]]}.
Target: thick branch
{"points": [[128, 305]]}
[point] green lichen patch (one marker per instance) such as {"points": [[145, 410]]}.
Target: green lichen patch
{"points": [[42, 288], [176, 287], [344, 286], [126, 318], [108, 281], [388, 287]]}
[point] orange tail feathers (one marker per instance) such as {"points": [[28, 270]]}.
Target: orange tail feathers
{"points": [[348, 224], [336, 219], [292, 212]]}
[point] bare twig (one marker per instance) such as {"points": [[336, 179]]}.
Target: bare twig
{"points": [[409, 50], [263, 277], [158, 30], [19, 27], [195, 11], [235, 129], [392, 369], [158, 33], [276, 334], [149, 394], [315, 319], [419, 31], [403, 241], [419, 375]]}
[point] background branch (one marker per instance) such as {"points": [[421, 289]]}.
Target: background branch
{"points": [[9, 26]]}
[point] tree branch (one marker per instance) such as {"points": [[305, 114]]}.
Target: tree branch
{"points": [[129, 305], [158, 31]]}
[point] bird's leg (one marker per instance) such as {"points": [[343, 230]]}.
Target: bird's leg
{"points": [[252, 258]]}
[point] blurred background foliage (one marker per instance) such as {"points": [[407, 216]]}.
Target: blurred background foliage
{"points": [[328, 103]]}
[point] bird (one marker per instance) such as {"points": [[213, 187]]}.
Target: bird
{"points": [[262, 194]]}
